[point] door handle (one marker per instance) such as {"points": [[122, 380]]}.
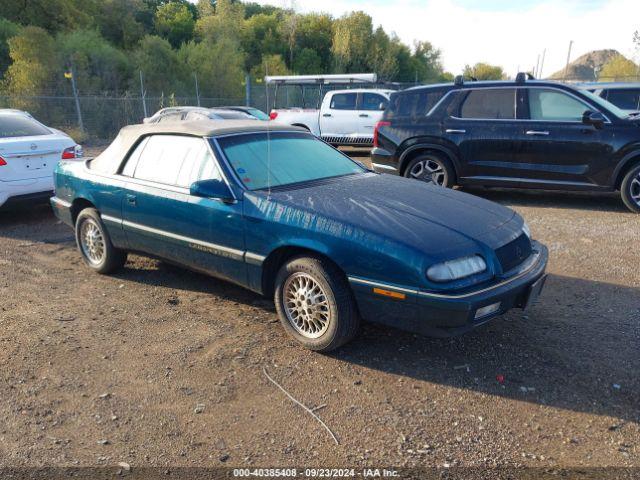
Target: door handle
{"points": [[455, 130], [326, 114], [537, 132], [364, 115], [131, 200]]}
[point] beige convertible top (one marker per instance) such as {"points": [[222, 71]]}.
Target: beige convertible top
{"points": [[205, 128], [110, 160]]}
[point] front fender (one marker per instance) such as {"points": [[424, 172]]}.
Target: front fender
{"points": [[628, 159]]}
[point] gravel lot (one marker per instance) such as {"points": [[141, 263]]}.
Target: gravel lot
{"points": [[158, 366]]}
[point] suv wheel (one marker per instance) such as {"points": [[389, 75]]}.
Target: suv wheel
{"points": [[431, 168], [315, 304], [630, 189], [95, 245]]}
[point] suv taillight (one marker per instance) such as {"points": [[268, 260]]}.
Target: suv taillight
{"points": [[68, 153], [273, 115], [2, 162], [381, 123]]}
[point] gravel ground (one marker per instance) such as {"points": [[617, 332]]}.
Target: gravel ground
{"points": [[159, 366]]}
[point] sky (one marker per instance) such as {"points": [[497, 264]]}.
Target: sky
{"points": [[509, 33]]}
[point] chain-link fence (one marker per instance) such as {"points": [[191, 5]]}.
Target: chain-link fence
{"points": [[102, 116]]}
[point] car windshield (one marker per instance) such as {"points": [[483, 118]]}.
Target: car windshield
{"points": [[264, 160], [608, 105], [20, 126]]}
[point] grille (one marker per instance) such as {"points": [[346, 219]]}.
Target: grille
{"points": [[348, 140], [514, 253]]}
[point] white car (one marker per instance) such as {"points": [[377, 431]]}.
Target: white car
{"points": [[29, 151], [345, 117]]}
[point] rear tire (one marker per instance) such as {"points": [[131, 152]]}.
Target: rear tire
{"points": [[94, 243], [630, 189], [315, 303], [431, 168]]}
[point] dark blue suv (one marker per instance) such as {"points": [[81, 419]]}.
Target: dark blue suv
{"points": [[523, 133]]}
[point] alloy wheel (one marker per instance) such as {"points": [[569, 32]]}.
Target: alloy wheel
{"points": [[306, 305], [634, 190], [429, 171], [92, 242]]}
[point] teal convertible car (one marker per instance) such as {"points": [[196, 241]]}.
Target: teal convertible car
{"points": [[276, 210]]}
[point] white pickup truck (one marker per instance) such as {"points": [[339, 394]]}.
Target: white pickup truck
{"points": [[346, 117]]}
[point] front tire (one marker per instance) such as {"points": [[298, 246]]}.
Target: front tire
{"points": [[315, 303], [630, 189], [431, 168], [94, 243]]}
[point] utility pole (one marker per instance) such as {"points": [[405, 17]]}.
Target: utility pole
{"points": [[535, 70], [247, 90], [195, 75], [144, 94], [544, 53], [75, 96], [566, 68]]}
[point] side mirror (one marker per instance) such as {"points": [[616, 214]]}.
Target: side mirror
{"points": [[382, 106], [213, 188], [596, 119]]}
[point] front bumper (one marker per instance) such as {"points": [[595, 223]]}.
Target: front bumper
{"points": [[444, 315]]}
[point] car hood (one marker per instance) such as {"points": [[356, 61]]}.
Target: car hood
{"points": [[429, 218]]}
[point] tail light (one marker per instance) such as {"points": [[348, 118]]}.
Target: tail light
{"points": [[68, 153], [273, 115], [2, 162], [381, 123]]}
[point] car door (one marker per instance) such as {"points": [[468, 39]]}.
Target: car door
{"points": [[161, 218], [483, 126], [557, 148], [337, 115], [370, 108]]}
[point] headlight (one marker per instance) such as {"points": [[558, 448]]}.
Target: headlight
{"points": [[525, 229], [456, 269]]}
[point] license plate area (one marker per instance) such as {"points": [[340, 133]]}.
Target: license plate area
{"points": [[37, 162]]}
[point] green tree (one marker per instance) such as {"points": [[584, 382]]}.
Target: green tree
{"points": [[352, 38], [123, 22], [315, 32], [382, 58], [226, 23], [270, 65], [619, 69], [159, 65], [219, 66], [51, 15], [426, 61], [484, 71], [262, 36], [8, 29], [98, 65], [32, 71], [307, 62], [174, 21]]}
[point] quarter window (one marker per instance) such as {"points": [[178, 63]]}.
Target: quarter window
{"points": [[161, 158], [373, 101], [343, 101], [552, 105], [490, 104], [625, 98]]}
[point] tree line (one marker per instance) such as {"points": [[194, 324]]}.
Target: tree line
{"points": [[107, 42]]}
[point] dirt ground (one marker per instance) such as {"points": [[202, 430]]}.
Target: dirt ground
{"points": [[158, 366]]}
